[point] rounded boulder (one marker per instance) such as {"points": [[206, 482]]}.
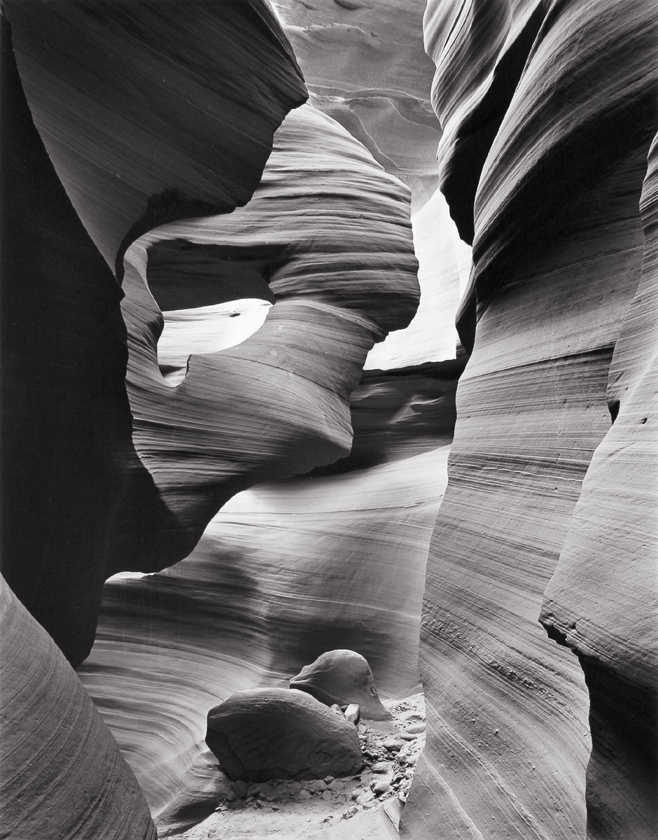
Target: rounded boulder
{"points": [[278, 733]]}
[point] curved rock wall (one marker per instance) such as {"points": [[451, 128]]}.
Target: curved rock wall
{"points": [[557, 252], [602, 600], [333, 229], [137, 134], [63, 776], [284, 569]]}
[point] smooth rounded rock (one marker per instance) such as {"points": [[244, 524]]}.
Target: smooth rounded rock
{"points": [[344, 677], [276, 733]]}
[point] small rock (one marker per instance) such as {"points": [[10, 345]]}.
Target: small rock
{"points": [[415, 728], [319, 785], [326, 795], [381, 767], [351, 811], [275, 808], [230, 796], [356, 793], [362, 728], [328, 780], [352, 713], [366, 798], [240, 789], [393, 745], [294, 788], [303, 795], [336, 708], [380, 786], [408, 736]]}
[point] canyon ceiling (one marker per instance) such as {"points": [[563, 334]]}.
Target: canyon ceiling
{"points": [[330, 324]]}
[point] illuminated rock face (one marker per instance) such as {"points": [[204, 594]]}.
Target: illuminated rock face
{"points": [[365, 66], [245, 609], [553, 116], [63, 776]]}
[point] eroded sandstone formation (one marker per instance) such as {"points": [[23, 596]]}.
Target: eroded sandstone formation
{"points": [[252, 604], [63, 776], [365, 66], [120, 132], [550, 107], [342, 677]]}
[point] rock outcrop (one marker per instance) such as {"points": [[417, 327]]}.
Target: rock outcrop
{"points": [[278, 733], [329, 231], [343, 677], [246, 609], [96, 76], [552, 108], [63, 776]]}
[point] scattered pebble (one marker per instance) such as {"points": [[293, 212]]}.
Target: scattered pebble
{"points": [[381, 767], [240, 789], [415, 728], [380, 786]]}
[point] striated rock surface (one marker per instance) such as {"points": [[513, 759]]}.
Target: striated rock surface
{"points": [[329, 231], [343, 677], [602, 601], [278, 733], [365, 66], [284, 572], [96, 82], [63, 776], [557, 256], [78, 503]]}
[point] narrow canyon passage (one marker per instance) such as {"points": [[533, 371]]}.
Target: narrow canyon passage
{"points": [[329, 341]]}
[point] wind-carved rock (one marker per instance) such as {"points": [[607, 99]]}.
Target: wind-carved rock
{"points": [[62, 773], [342, 677], [278, 733], [342, 271], [95, 159], [552, 108]]}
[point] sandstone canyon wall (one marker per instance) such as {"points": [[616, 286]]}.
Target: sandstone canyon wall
{"points": [[550, 109], [199, 277]]}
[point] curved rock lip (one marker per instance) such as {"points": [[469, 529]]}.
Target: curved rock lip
{"points": [[342, 677], [278, 733]]}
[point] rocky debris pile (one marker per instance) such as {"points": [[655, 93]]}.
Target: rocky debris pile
{"points": [[277, 733], [342, 677], [390, 753]]}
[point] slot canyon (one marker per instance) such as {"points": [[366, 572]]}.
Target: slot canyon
{"points": [[329, 420]]}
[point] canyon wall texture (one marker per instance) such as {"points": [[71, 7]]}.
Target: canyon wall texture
{"points": [[223, 391], [550, 108], [62, 773], [331, 559], [120, 132]]}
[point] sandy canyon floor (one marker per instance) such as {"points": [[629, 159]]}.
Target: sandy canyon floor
{"points": [[371, 800]]}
